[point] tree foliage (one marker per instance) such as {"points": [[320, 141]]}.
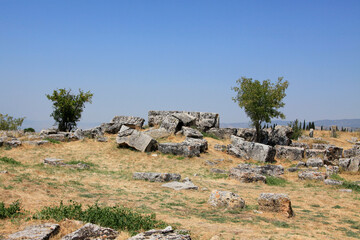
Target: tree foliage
{"points": [[10, 123], [297, 130], [261, 100], [68, 107]]}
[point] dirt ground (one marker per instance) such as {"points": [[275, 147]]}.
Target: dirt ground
{"points": [[321, 211]]}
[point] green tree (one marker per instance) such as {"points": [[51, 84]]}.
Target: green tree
{"points": [[68, 107], [297, 130], [10, 123], [261, 100]]}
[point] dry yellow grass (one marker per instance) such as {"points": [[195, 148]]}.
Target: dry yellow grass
{"points": [[110, 182]]}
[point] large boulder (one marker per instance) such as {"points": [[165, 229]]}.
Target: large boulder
{"points": [[129, 121], [191, 133], [156, 177], [290, 153], [36, 232], [185, 118], [12, 143], [352, 152], [226, 199], [321, 146], [93, 132], [165, 234], [135, 139], [190, 147], [275, 203], [350, 164], [251, 150], [280, 135], [92, 231], [332, 155], [223, 133]]}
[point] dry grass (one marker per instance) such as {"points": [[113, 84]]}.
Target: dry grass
{"points": [[109, 182]]}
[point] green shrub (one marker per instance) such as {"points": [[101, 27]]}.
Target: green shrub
{"points": [[336, 177], [9, 161], [297, 131], [275, 181], [210, 135], [350, 185], [11, 211], [117, 217], [29, 130]]}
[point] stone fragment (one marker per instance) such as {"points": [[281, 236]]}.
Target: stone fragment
{"points": [[352, 152], [128, 137], [226, 199], [129, 121], [332, 155], [13, 143], [275, 203], [221, 148], [157, 133], [36, 143], [223, 133], [314, 153], [190, 147], [330, 170], [93, 132], [320, 146], [290, 153], [250, 150], [345, 190], [156, 177], [314, 162], [185, 185], [54, 161], [218, 171], [300, 145], [171, 124], [301, 164], [102, 139], [311, 175], [332, 182], [248, 173], [91, 231], [36, 232], [293, 169], [350, 164], [191, 132], [165, 234], [311, 133], [280, 135], [186, 119]]}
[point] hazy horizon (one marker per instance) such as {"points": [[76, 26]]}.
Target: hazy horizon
{"points": [[137, 56]]}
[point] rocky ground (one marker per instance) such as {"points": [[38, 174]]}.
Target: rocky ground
{"points": [[211, 193]]}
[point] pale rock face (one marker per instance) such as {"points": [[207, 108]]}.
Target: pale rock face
{"points": [[135, 139], [223, 133], [36, 232], [312, 175], [226, 199], [314, 162], [289, 153], [191, 133]]}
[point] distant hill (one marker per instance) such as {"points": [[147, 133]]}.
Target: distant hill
{"points": [[350, 123]]}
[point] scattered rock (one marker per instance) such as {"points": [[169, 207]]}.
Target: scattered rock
{"points": [[226, 199], [290, 153], [185, 185], [330, 170], [36, 232], [36, 143], [102, 139], [314, 162], [332, 182], [345, 190], [166, 234], [156, 177], [12, 143], [189, 148], [320, 146], [223, 133], [314, 153], [350, 164], [300, 145], [210, 163], [332, 155], [132, 138], [92, 231], [311, 175], [293, 169], [54, 161], [301, 164], [191, 133], [186, 119], [221, 148], [218, 171], [3, 172], [93, 133], [250, 150], [248, 173], [275, 203], [352, 152], [281, 135], [171, 124], [311, 133]]}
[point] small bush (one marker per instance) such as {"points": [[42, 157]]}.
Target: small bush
{"points": [[11, 211], [52, 140], [117, 217], [29, 130], [9, 123], [275, 181], [297, 130], [9, 161]]}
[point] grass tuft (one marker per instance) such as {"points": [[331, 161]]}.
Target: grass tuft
{"points": [[9, 161], [11, 211], [210, 135], [52, 140], [275, 181], [350, 185]]}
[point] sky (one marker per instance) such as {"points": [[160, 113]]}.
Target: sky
{"points": [[136, 56]]}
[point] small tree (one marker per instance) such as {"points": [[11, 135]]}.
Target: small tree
{"points": [[261, 101], [297, 130], [68, 107], [10, 123]]}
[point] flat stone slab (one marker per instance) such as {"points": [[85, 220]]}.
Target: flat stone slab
{"points": [[332, 182], [156, 177], [91, 231], [312, 175], [165, 234], [186, 185], [36, 232], [54, 161]]}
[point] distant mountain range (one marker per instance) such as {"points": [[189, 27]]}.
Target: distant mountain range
{"points": [[350, 123]]}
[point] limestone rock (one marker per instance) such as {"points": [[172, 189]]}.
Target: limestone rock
{"points": [[93, 132], [165, 234], [186, 119], [330, 170], [320, 146], [314, 162], [157, 133], [275, 203], [13, 143], [250, 150], [352, 152], [218, 171], [91, 231], [350, 164], [54, 161], [332, 155], [36, 142], [311, 133], [171, 124], [290, 153], [226, 199], [223, 133], [314, 153], [189, 148], [281, 135], [36, 232], [185, 185], [129, 121], [300, 145], [311, 175], [221, 148], [156, 177], [132, 138], [191, 133], [332, 182]]}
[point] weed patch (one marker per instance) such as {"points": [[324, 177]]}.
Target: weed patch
{"points": [[275, 181], [11, 211], [52, 140], [9, 161], [350, 185]]}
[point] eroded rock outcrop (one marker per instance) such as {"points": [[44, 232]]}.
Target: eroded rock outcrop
{"points": [[290, 153]]}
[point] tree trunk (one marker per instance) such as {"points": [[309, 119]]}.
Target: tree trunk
{"points": [[258, 131]]}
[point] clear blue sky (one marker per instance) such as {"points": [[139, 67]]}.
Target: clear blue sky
{"points": [[145, 55]]}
